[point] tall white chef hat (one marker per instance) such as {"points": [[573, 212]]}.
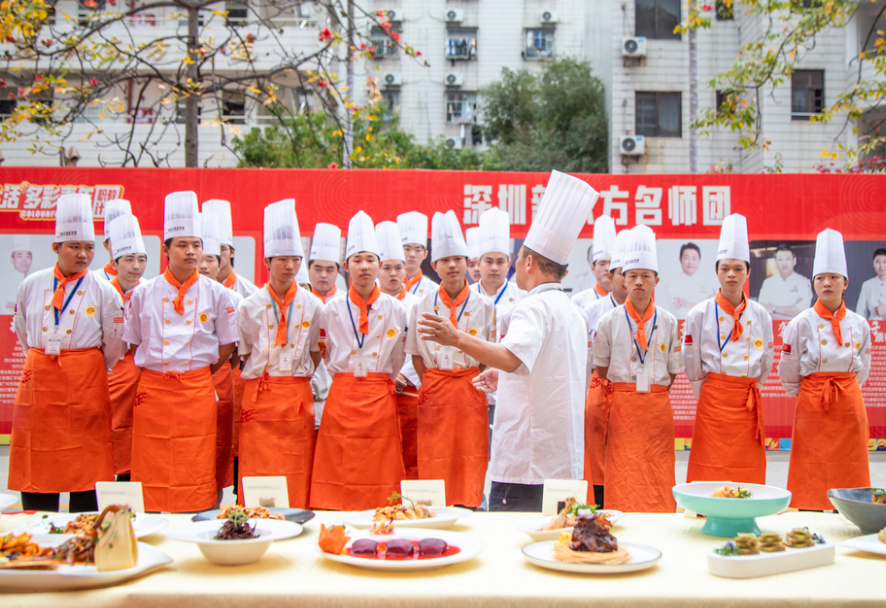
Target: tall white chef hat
{"points": [[495, 231], [114, 209], [302, 275], [621, 248], [180, 216], [734, 239], [21, 242], [604, 238], [326, 244], [446, 237], [390, 246], [281, 236], [641, 250], [829, 254], [563, 211], [361, 235], [472, 240], [73, 218], [413, 228], [222, 210], [126, 236], [210, 229]]}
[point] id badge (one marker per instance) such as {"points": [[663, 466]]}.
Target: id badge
{"points": [[359, 366], [53, 344], [286, 360], [643, 382], [447, 355]]}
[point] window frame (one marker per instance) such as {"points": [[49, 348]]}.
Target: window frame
{"points": [[658, 132], [548, 37], [807, 88], [470, 35], [471, 99], [658, 35], [379, 37]]}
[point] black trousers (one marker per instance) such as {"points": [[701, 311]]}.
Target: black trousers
{"points": [[80, 502], [515, 497]]}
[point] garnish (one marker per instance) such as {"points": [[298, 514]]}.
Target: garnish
{"points": [[236, 528], [727, 550], [333, 539], [878, 496]]}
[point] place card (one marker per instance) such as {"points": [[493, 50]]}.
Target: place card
{"points": [[430, 492], [266, 492], [558, 490], [120, 493]]}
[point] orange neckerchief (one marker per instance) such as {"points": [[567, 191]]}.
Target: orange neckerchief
{"points": [[328, 295], [824, 313], [356, 299], [410, 283], [116, 283], [727, 307], [462, 296], [600, 291], [230, 279], [282, 321], [402, 293], [58, 298], [178, 303], [641, 323], [110, 269]]}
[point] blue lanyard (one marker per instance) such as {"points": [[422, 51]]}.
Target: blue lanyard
{"points": [[70, 297], [288, 315], [648, 341], [479, 290], [614, 303], [458, 320], [722, 345], [414, 289], [354, 325]]}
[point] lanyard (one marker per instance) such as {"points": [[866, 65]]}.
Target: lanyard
{"points": [[414, 289], [465, 305], [648, 340], [288, 315], [614, 303], [70, 297], [722, 345], [354, 326], [479, 290]]}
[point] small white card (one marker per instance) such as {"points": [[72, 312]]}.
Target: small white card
{"points": [[431, 492], [266, 492], [558, 490], [120, 493]]}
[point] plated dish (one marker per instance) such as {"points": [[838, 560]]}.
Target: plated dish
{"points": [[298, 516], [234, 547], [443, 518], [144, 524], [751, 556], [731, 516], [550, 528], [872, 543]]}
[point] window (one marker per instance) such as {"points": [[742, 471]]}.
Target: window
{"points": [[7, 102], [721, 99], [659, 114], [391, 103], [237, 12], [539, 43], [86, 12], [807, 93], [181, 107], [382, 44], [461, 106], [461, 43], [657, 19], [234, 107], [725, 13]]}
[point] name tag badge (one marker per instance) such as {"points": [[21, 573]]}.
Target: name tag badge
{"points": [[643, 385], [286, 360], [359, 366], [53, 344], [446, 358]]}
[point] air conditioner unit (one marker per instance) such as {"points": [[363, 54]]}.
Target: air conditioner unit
{"points": [[455, 16], [633, 47], [393, 79], [454, 80], [455, 143], [394, 14], [549, 17], [632, 145]]}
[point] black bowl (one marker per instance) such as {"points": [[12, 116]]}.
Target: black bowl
{"points": [[855, 504]]}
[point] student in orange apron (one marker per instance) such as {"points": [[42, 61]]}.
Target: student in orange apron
{"points": [[413, 228], [825, 359], [69, 323], [113, 209], [359, 461]]}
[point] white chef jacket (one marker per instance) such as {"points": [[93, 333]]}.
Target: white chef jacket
{"points": [[810, 346], [321, 380], [170, 342], [583, 282], [338, 295], [475, 317], [505, 300], [257, 320], [408, 370], [424, 287], [786, 292], [244, 287], [615, 347], [873, 294], [101, 272], [707, 346], [585, 298], [696, 288], [9, 285], [538, 432], [383, 345], [593, 311], [93, 317]]}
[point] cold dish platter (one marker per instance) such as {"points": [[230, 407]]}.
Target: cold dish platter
{"points": [[407, 514], [550, 528], [749, 555], [144, 524], [298, 516]]}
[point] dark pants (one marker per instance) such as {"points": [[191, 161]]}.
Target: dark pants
{"points": [[515, 497], [80, 502], [598, 496], [127, 477]]}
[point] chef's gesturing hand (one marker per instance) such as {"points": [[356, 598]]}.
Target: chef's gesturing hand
{"points": [[437, 329], [487, 382]]}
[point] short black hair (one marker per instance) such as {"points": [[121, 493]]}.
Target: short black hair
{"points": [[117, 259], [547, 266], [784, 247], [337, 265], [747, 266], [217, 257], [689, 246], [879, 252]]}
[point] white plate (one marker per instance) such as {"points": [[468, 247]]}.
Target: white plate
{"points": [[7, 500], [643, 557], [869, 543], [445, 519], [765, 564], [470, 547], [533, 527], [69, 578], [143, 525]]}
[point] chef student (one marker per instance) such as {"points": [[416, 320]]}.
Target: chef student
{"points": [[279, 328], [787, 293], [358, 462], [472, 239], [539, 368], [69, 323], [727, 352], [595, 405], [391, 277], [601, 254], [183, 328], [825, 359], [413, 228], [637, 348], [226, 275], [113, 209], [453, 418], [130, 261], [872, 300]]}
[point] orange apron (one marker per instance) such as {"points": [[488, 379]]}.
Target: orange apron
{"points": [[277, 426], [829, 448], [173, 440], [358, 462], [123, 385], [224, 433], [640, 456], [728, 443], [407, 406], [239, 388], [61, 429], [595, 425], [453, 434]]}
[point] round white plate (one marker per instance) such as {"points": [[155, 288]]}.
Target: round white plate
{"points": [[869, 543], [445, 519], [643, 557], [203, 532], [470, 548], [533, 527], [7, 500], [143, 525]]}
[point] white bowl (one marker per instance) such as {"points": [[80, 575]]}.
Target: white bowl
{"points": [[234, 552]]}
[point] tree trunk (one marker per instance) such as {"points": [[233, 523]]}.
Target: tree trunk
{"points": [[192, 101], [349, 81], [693, 97]]}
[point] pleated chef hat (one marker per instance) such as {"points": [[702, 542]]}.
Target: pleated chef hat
{"points": [[302, 275], [113, 210], [446, 236], [621, 248], [413, 228], [281, 237], [21, 242], [734, 239], [389, 244], [210, 233], [180, 216], [73, 218], [126, 236], [361, 235], [326, 244], [222, 210], [641, 250], [604, 238], [495, 232], [472, 240], [829, 254], [563, 211]]}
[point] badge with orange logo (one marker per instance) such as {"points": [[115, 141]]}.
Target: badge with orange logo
{"points": [[324, 353], [90, 310], [204, 317], [392, 332]]}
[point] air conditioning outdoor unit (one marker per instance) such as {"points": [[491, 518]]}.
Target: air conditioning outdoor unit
{"points": [[454, 80], [632, 145], [394, 14], [393, 79], [455, 143], [455, 16], [549, 17], [633, 47]]}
